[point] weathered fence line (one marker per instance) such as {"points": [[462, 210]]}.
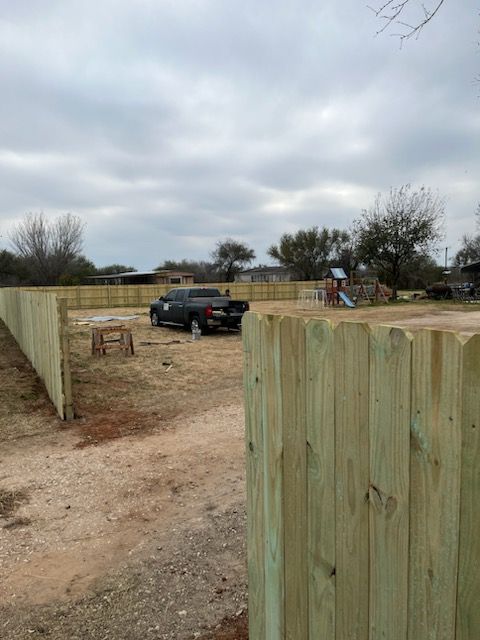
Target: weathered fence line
{"points": [[39, 324], [135, 295], [363, 481]]}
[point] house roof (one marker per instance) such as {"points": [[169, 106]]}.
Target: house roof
{"points": [[131, 274], [337, 273], [267, 270], [473, 267]]}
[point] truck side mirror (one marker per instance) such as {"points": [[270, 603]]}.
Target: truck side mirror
{"points": [[161, 298]]}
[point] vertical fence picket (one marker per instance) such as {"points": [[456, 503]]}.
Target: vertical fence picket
{"points": [[468, 611], [320, 379], [434, 484], [254, 434], [389, 420], [292, 378], [273, 479], [352, 479]]}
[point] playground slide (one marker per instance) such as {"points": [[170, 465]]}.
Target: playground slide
{"points": [[346, 300]]}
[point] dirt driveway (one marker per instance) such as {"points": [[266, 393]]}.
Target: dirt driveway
{"points": [[129, 522]]}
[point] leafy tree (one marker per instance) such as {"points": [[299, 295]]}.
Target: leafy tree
{"points": [[230, 257], [79, 269], [469, 251], [345, 252], [399, 227], [110, 269], [48, 248], [309, 251], [203, 271], [12, 269], [419, 273]]}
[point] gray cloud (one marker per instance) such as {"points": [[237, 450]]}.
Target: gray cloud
{"points": [[184, 122]]}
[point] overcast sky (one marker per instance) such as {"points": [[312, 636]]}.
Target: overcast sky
{"points": [[167, 125]]}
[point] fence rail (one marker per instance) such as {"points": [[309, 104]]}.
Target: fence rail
{"points": [[363, 481], [39, 324], [133, 295]]}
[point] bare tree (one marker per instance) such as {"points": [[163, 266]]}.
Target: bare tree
{"points": [[48, 248], [393, 11]]}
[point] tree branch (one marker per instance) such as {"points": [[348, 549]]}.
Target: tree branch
{"points": [[391, 10]]}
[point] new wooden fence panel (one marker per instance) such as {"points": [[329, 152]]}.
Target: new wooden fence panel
{"points": [[352, 480], [137, 295], [39, 325], [468, 609], [434, 484], [320, 381], [389, 420], [364, 482], [375, 499]]}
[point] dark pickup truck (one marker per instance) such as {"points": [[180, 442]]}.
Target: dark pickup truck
{"points": [[197, 308]]}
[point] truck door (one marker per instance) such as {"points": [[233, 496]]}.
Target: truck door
{"points": [[166, 311], [178, 306]]}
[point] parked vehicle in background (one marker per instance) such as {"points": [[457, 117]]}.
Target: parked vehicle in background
{"points": [[439, 291], [456, 290], [198, 308]]}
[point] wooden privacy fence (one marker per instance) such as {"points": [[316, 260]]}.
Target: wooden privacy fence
{"points": [[39, 324], [363, 469], [136, 295]]}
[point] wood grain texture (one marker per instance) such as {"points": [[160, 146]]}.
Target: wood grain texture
{"points": [[273, 484], [320, 429], [254, 435], [434, 484], [292, 342], [468, 609], [352, 480], [390, 388]]}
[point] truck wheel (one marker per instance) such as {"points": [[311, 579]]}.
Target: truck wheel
{"points": [[154, 319], [195, 324]]}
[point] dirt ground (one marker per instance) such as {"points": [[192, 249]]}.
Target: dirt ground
{"points": [[129, 522]]}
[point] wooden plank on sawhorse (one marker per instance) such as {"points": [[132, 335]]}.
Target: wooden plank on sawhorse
{"points": [[101, 342]]}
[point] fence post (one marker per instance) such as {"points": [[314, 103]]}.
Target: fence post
{"points": [[65, 355]]}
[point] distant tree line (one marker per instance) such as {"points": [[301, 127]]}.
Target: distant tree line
{"points": [[397, 237]]}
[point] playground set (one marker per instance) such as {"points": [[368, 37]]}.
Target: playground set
{"points": [[342, 290]]}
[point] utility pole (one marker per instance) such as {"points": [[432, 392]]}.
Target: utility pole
{"points": [[446, 271]]}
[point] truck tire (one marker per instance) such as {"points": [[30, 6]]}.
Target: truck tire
{"points": [[154, 319], [195, 324]]}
